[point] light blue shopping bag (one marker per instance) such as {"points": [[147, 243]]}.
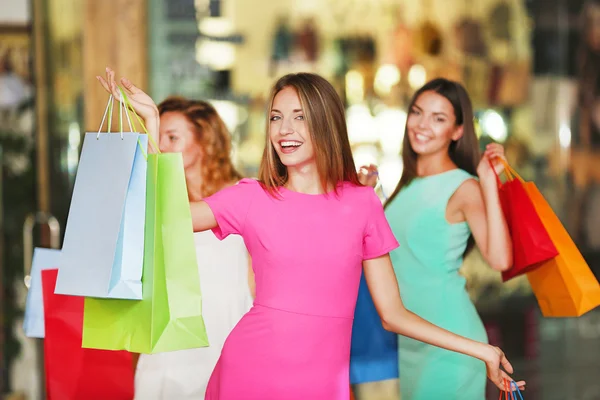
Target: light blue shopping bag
{"points": [[33, 323], [103, 248]]}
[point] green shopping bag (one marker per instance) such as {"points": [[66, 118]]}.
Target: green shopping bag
{"points": [[169, 316]]}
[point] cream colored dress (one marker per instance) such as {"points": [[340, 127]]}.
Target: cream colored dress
{"points": [[226, 297]]}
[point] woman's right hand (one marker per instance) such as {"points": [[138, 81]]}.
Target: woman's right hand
{"points": [[142, 104]]}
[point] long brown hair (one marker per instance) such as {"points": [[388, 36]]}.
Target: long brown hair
{"points": [[463, 152], [212, 136], [588, 57], [588, 74], [325, 116]]}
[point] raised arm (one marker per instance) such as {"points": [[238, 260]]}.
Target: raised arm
{"points": [[480, 204], [383, 286]]}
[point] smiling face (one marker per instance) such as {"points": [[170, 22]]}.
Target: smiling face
{"points": [[431, 124], [288, 130], [306, 133]]}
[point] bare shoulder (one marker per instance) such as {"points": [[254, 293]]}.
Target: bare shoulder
{"points": [[468, 194]]}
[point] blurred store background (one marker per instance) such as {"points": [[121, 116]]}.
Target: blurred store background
{"points": [[532, 68]]}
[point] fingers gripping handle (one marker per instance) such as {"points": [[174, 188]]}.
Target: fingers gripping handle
{"points": [[510, 173], [129, 108], [125, 103]]}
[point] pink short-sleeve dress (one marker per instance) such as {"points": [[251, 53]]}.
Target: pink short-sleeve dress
{"points": [[307, 253]]}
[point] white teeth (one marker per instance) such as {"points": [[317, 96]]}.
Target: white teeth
{"points": [[421, 138], [286, 144]]}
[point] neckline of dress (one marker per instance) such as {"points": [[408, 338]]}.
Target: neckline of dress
{"points": [[438, 174]]}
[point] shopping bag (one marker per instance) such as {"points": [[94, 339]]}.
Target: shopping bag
{"points": [[33, 321], [564, 286], [169, 316], [374, 351], [530, 240], [103, 246], [74, 373]]}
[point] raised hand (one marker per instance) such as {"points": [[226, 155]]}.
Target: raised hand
{"points": [[142, 104], [493, 153], [140, 101]]}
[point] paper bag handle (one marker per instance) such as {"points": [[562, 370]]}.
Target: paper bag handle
{"points": [[511, 174], [516, 389], [509, 391], [109, 110]]}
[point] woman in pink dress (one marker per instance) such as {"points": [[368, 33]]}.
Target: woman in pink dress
{"points": [[310, 227]]}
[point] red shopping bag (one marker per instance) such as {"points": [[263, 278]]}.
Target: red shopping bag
{"points": [[530, 239], [72, 372]]}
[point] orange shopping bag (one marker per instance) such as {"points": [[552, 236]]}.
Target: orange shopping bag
{"points": [[531, 241], [564, 285]]}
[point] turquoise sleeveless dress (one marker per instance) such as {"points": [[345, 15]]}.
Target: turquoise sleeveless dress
{"points": [[427, 267]]}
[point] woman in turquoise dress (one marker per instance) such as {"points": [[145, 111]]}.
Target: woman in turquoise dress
{"points": [[447, 196]]}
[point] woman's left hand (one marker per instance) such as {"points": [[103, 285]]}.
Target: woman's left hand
{"points": [[496, 360], [493, 153]]}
